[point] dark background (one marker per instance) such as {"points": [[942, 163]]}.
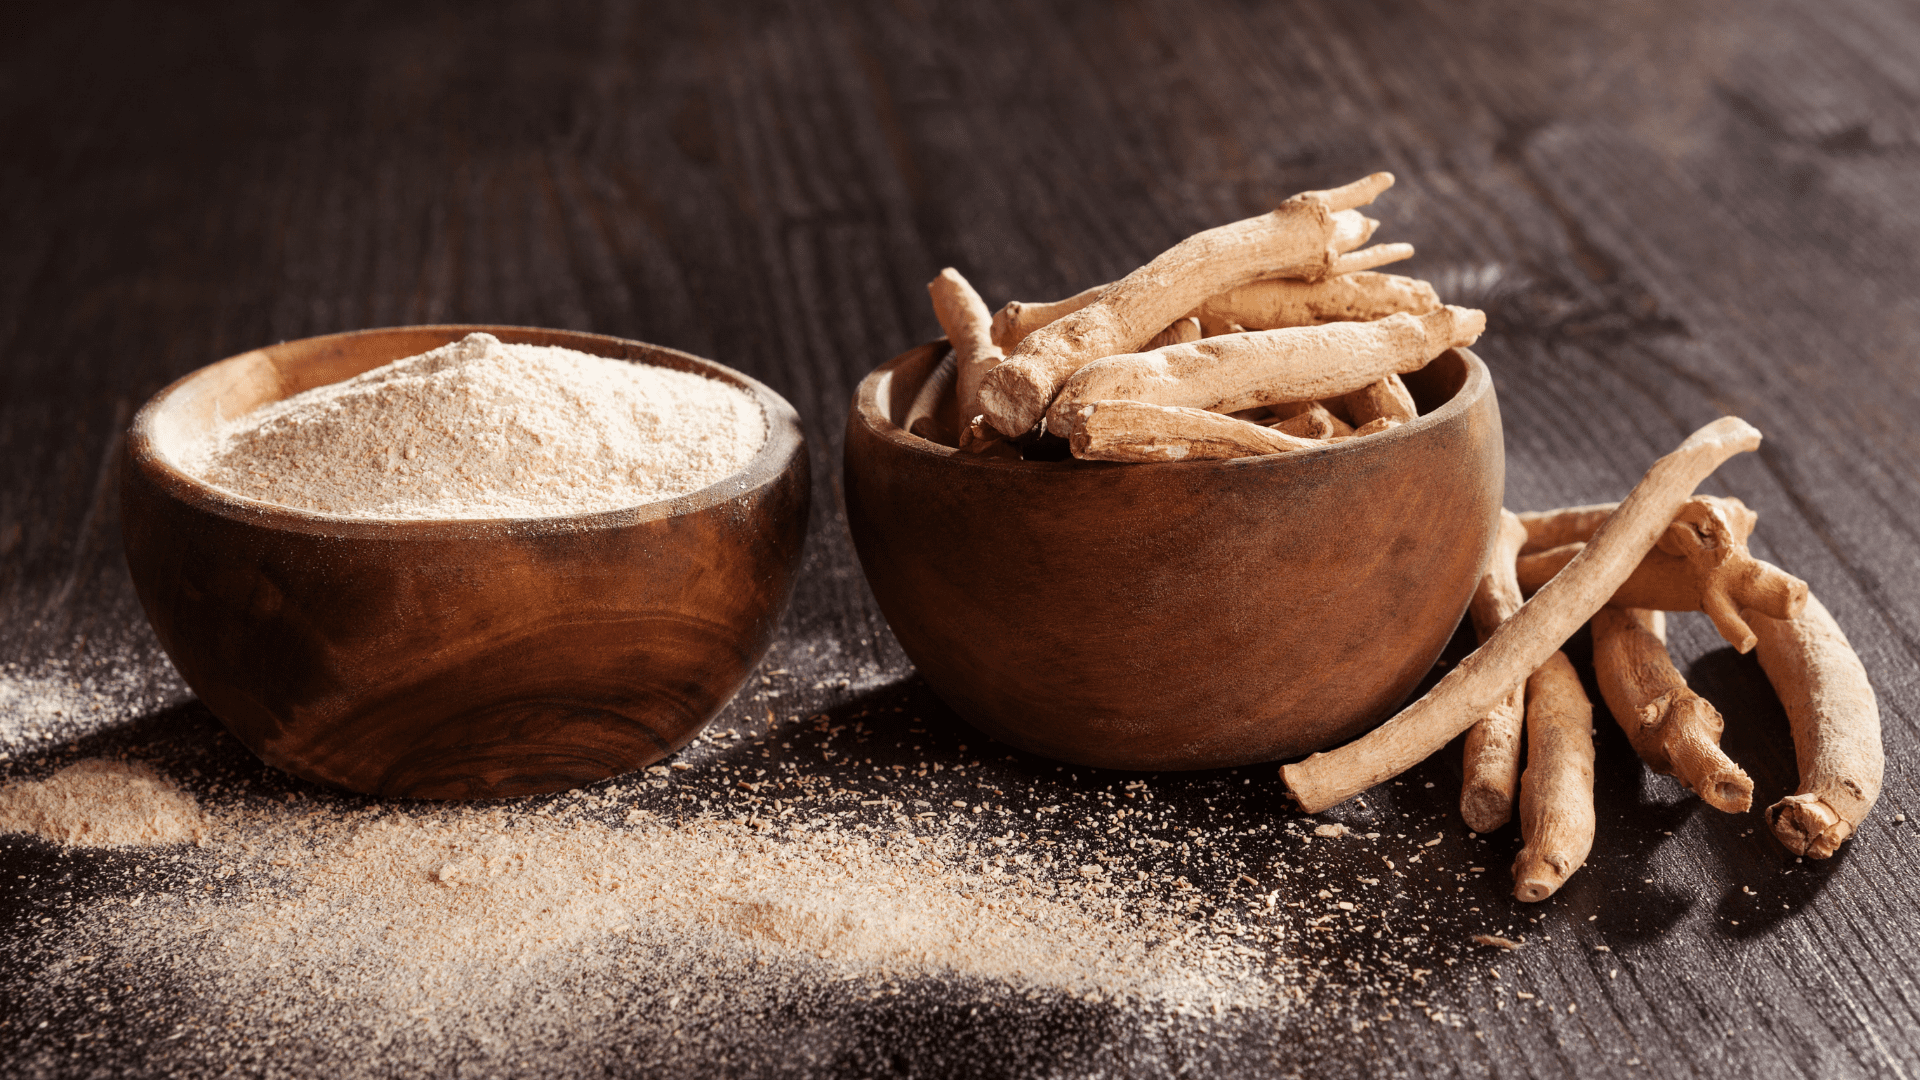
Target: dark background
{"points": [[1668, 211]]}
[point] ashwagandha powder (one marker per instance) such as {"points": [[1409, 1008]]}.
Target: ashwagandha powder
{"points": [[315, 937], [99, 802], [482, 429]]}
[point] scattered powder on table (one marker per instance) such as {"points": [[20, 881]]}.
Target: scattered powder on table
{"points": [[409, 909], [349, 942], [481, 429], [103, 803]]}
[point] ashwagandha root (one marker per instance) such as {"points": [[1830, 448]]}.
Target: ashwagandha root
{"points": [[1567, 525], [1133, 431], [1296, 234], [1372, 427], [1272, 305], [922, 415], [964, 316], [1016, 319], [1535, 632], [1492, 759], [1702, 564], [1836, 729], [1309, 420], [1548, 529], [1556, 794], [1012, 323], [1239, 371], [1387, 397], [1674, 730], [1367, 259], [1181, 332]]}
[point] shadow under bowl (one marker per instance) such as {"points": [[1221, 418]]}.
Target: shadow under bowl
{"points": [[1186, 615], [456, 659]]}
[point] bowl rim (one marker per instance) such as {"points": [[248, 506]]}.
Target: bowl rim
{"points": [[1479, 381], [785, 438]]}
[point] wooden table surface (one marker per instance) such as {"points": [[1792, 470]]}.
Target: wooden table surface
{"points": [[1669, 212]]}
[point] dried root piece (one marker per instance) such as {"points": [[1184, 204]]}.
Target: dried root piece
{"points": [[923, 415], [1674, 730], [1556, 794], [1836, 729], [1297, 234], [1367, 259], [1372, 427], [1387, 397], [1271, 305], [1012, 323], [1309, 420], [964, 316], [1492, 759], [1534, 633], [1133, 431], [1568, 525], [1181, 332], [1240, 371], [1702, 564]]}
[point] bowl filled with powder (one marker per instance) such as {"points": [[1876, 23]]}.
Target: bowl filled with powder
{"points": [[464, 562]]}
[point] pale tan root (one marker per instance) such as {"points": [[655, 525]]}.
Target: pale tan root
{"points": [[978, 438], [1132, 431], [1012, 323], [1297, 233], [1372, 427], [1179, 333], [1387, 397], [1310, 420], [1710, 571], [922, 415], [1535, 632], [1674, 730], [1264, 367], [1368, 258], [964, 316], [1351, 228], [1836, 729], [1271, 305], [1567, 525], [1556, 794], [1492, 759]]}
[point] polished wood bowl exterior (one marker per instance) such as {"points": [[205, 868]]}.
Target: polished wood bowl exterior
{"points": [[456, 659], [1185, 615]]}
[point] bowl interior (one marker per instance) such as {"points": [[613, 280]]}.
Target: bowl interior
{"points": [[183, 414]]}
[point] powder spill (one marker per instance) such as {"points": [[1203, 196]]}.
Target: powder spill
{"points": [[58, 700], [849, 892], [481, 429], [103, 803]]}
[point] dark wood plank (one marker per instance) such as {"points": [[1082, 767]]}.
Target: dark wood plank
{"points": [[1668, 213]]}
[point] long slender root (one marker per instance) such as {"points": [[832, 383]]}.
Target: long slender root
{"points": [[1556, 792], [1836, 729]]}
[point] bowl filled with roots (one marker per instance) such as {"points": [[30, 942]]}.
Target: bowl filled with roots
{"points": [[1226, 510]]}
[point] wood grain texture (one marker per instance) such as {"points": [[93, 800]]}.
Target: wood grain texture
{"points": [[1667, 211]]}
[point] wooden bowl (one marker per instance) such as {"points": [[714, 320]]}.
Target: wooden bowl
{"points": [[1186, 615], [456, 659]]}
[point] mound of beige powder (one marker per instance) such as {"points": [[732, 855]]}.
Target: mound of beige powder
{"points": [[482, 429], [100, 802]]}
